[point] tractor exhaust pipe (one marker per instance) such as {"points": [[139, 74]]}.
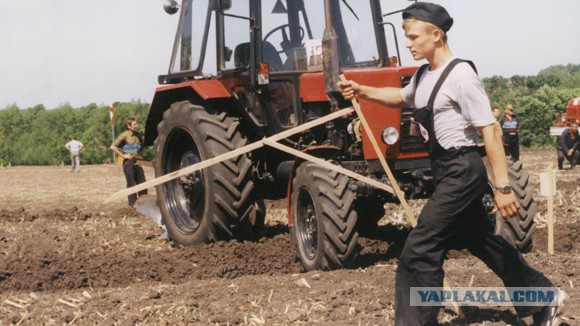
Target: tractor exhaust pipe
{"points": [[330, 62]]}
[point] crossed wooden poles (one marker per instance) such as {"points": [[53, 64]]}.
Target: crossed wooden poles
{"points": [[272, 141]]}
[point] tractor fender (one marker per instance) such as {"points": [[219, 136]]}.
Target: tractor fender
{"points": [[205, 93], [323, 151]]}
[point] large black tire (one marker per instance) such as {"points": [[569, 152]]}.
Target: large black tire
{"points": [[518, 231], [206, 205], [324, 220]]}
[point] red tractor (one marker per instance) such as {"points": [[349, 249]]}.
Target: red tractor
{"points": [[242, 71], [563, 120]]}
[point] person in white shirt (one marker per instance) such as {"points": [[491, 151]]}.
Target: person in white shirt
{"points": [[74, 147]]}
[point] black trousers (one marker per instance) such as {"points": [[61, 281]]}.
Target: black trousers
{"points": [[454, 217], [574, 159], [513, 146], [134, 175]]}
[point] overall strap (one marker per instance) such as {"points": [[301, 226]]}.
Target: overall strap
{"points": [[442, 78], [420, 72], [434, 148]]}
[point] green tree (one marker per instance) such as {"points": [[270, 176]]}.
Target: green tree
{"points": [[536, 113], [11, 120]]}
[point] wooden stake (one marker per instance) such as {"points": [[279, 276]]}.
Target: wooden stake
{"points": [[551, 191], [410, 216], [455, 307]]}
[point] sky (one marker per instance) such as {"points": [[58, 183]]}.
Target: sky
{"points": [[54, 52]]}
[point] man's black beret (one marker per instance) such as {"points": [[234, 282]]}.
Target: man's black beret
{"points": [[431, 13]]}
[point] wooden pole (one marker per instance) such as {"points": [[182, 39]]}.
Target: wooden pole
{"points": [[410, 216], [455, 307], [113, 133], [227, 156], [551, 191], [328, 165]]}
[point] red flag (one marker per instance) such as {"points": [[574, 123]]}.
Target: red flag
{"points": [[112, 115]]}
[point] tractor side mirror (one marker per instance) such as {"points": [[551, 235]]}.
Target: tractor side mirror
{"points": [[170, 6], [220, 5]]}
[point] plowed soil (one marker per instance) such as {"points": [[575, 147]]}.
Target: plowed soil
{"points": [[68, 259]]}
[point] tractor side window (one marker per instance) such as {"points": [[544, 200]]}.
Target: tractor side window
{"points": [[189, 47], [237, 36], [355, 26], [281, 94]]}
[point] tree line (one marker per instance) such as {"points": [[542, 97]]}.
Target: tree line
{"points": [[536, 99], [36, 136]]}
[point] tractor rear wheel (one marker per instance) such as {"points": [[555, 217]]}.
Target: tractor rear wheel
{"points": [[518, 230], [324, 220], [209, 204]]}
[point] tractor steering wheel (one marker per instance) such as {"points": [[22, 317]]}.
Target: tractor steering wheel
{"points": [[285, 40]]}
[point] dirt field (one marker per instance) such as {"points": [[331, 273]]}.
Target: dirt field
{"points": [[68, 259]]}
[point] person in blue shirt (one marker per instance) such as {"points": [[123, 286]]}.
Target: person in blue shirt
{"points": [[510, 125], [129, 146]]}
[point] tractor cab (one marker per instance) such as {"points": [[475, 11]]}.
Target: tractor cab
{"points": [[285, 35], [276, 63]]}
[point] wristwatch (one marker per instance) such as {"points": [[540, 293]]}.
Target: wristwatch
{"points": [[504, 189]]}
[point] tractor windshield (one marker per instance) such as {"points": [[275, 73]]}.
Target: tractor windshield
{"points": [[294, 29]]}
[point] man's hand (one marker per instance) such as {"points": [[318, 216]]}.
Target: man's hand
{"points": [[506, 204], [349, 89], [386, 96], [570, 152]]}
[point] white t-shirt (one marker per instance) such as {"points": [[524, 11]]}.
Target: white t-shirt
{"points": [[460, 106], [74, 146]]}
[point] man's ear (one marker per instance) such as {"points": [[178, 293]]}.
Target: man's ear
{"points": [[437, 35]]}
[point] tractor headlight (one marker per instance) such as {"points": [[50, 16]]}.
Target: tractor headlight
{"points": [[390, 135]]}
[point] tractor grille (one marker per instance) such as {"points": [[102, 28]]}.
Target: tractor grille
{"points": [[409, 144]]}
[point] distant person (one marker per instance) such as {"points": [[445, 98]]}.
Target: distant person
{"points": [[510, 125], [74, 147], [129, 146], [568, 146], [495, 112]]}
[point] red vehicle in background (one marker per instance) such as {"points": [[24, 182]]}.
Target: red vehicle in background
{"points": [[563, 120]]}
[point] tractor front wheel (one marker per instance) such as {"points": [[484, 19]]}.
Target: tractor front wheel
{"points": [[324, 220]]}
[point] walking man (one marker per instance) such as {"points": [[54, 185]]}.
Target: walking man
{"points": [[74, 147], [568, 146], [129, 146], [452, 112], [510, 125]]}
